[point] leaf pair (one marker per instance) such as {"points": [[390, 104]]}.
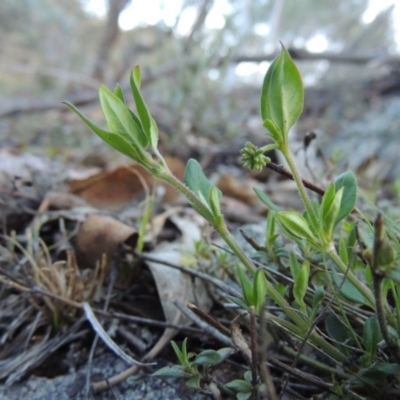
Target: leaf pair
{"points": [[254, 292], [337, 203], [127, 133]]}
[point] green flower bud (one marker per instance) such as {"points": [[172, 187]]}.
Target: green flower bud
{"points": [[253, 158]]}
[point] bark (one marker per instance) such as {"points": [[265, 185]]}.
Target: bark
{"points": [[109, 38]]}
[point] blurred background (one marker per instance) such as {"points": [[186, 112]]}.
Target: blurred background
{"points": [[203, 62]]}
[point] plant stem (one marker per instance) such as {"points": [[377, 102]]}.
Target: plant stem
{"points": [[300, 186], [315, 364], [196, 203]]}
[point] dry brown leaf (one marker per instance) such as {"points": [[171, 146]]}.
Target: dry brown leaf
{"points": [[100, 235], [61, 201], [117, 188], [111, 190]]}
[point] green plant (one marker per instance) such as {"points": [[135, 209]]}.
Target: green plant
{"points": [[344, 269], [193, 368]]}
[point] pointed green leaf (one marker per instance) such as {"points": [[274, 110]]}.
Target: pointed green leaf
{"points": [[226, 352], [114, 140], [195, 180], [296, 226], [240, 385], [119, 118], [327, 200], [343, 250], [247, 287], [377, 373], [260, 289], [282, 95], [371, 336], [172, 372], [348, 182], [348, 290], [239, 302], [214, 201], [181, 357], [148, 123], [330, 213], [336, 329], [266, 200], [120, 93], [194, 382], [301, 284], [294, 265], [208, 357]]}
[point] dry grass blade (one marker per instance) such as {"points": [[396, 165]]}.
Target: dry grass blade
{"points": [[106, 338], [17, 366]]}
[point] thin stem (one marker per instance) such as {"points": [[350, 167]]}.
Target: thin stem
{"points": [[196, 203], [300, 186], [377, 278], [254, 352], [315, 364]]}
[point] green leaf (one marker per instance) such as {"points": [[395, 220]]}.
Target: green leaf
{"points": [[348, 290], [215, 202], [119, 118], [371, 336], [270, 234], [226, 352], [148, 123], [240, 385], [329, 219], [247, 287], [273, 130], [175, 371], [266, 200], [348, 182], [327, 199], [294, 265], [301, 284], [195, 180], [194, 382], [243, 396], [282, 95], [240, 303], [208, 357], [343, 250], [336, 328], [179, 354], [120, 93], [377, 373], [260, 289], [112, 139], [248, 376], [296, 226]]}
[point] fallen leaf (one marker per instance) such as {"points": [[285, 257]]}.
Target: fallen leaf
{"points": [[115, 189], [172, 284], [100, 235]]}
